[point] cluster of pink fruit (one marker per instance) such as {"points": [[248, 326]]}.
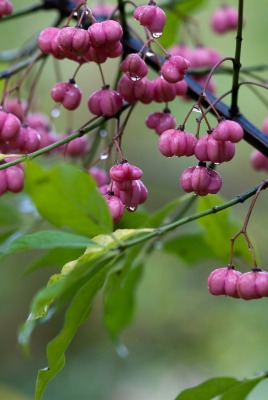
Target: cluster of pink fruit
{"points": [[229, 282], [224, 19], [125, 191], [217, 147]]}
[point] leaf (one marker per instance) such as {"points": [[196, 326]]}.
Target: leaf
{"points": [[208, 389], [54, 258], [175, 11], [77, 313], [240, 391], [68, 197], [49, 239], [119, 293], [219, 228], [154, 220], [8, 215], [190, 247]]}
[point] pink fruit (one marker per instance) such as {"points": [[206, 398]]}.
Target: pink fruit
{"points": [[176, 142], [253, 285], [134, 67], [224, 19], [102, 33], [116, 207], [73, 40], [141, 90], [15, 179], [201, 180], [160, 121], [174, 68], [100, 175], [228, 130], [259, 161], [45, 39], [208, 149], [9, 126], [6, 7], [151, 17], [223, 281], [123, 175], [67, 93], [105, 102]]}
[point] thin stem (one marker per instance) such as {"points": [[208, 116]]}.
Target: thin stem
{"points": [[22, 12], [237, 64], [169, 227]]}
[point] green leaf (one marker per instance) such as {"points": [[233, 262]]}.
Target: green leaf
{"points": [[68, 197], [240, 391], [77, 313], [175, 12], [190, 247], [154, 220], [119, 293], [54, 258], [219, 228], [49, 239], [8, 215], [208, 389]]}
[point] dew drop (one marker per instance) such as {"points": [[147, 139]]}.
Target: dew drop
{"points": [[104, 156], [75, 14], [131, 209], [103, 132], [149, 54], [55, 113], [135, 78], [122, 350], [158, 245], [196, 109], [157, 35]]}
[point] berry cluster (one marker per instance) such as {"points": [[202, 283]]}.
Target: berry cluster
{"points": [[216, 147], [229, 282]]}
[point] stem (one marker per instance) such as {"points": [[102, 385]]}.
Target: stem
{"points": [[22, 12], [162, 230], [237, 64]]}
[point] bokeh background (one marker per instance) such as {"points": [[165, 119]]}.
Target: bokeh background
{"points": [[180, 335]]}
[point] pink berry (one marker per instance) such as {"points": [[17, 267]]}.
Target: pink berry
{"points": [[259, 161], [102, 33], [100, 175], [201, 180], [265, 126], [9, 126], [6, 7], [67, 93], [45, 39], [160, 121], [134, 66], [123, 175], [208, 149], [174, 68], [102, 9], [141, 90], [176, 142], [224, 19], [17, 107], [116, 207], [223, 281], [75, 40], [228, 130], [151, 17], [135, 195], [15, 179], [105, 102], [31, 139], [253, 285], [77, 147]]}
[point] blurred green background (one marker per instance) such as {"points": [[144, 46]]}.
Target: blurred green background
{"points": [[181, 335]]}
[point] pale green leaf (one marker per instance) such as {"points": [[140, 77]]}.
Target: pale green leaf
{"points": [[241, 391], [67, 197]]}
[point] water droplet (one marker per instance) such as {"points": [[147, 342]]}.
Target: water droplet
{"points": [[131, 209], [135, 78], [122, 350], [196, 109], [149, 54], [157, 35], [103, 132], [158, 245], [104, 156], [75, 14], [55, 113]]}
